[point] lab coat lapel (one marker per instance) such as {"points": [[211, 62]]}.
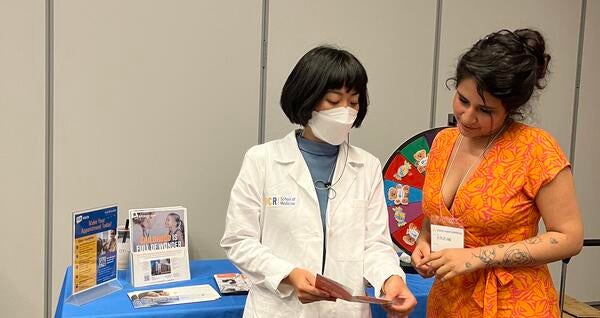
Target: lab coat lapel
{"points": [[289, 153], [301, 175]]}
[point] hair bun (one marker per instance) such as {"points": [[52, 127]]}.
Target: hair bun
{"points": [[534, 43]]}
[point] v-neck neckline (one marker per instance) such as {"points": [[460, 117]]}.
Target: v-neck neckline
{"points": [[472, 172], [445, 170]]}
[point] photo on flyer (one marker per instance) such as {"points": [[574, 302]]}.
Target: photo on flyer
{"points": [[160, 266], [157, 229]]}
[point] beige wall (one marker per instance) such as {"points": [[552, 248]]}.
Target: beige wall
{"points": [[399, 70], [155, 103], [554, 109], [22, 158], [582, 278]]}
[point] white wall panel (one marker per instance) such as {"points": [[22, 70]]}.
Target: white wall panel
{"points": [[466, 21], [155, 104], [393, 39], [582, 275], [22, 136]]}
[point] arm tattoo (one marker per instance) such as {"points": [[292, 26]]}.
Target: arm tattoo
{"points": [[468, 265], [517, 255], [487, 256], [533, 240], [553, 241]]}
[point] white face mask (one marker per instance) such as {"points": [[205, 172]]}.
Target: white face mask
{"points": [[333, 125]]}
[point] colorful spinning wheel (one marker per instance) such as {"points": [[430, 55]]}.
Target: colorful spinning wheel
{"points": [[403, 177]]}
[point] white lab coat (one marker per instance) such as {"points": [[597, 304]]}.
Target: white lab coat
{"points": [[274, 225]]}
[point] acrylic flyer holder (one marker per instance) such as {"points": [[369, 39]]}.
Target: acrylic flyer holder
{"points": [[94, 271], [94, 293]]}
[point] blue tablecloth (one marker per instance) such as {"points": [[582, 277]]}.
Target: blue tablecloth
{"points": [[118, 305]]}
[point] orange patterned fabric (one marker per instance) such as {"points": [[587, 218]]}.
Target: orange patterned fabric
{"points": [[496, 204]]}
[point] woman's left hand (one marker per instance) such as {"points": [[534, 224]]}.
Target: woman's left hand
{"points": [[451, 262], [403, 301]]}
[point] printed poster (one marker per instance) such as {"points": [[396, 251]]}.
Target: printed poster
{"points": [[94, 248], [159, 252]]}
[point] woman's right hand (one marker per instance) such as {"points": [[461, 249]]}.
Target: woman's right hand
{"points": [[422, 250], [303, 282]]}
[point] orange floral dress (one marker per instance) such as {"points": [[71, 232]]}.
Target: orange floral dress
{"points": [[496, 204]]}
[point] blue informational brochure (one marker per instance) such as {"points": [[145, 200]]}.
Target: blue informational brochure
{"points": [[94, 248]]}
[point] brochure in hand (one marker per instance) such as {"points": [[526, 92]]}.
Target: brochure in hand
{"points": [[172, 296], [232, 283], [337, 290]]}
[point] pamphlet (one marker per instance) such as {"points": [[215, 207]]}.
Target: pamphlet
{"points": [[94, 248], [337, 290], [159, 252], [172, 296], [232, 283]]}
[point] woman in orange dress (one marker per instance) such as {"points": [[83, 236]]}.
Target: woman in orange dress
{"points": [[492, 178]]}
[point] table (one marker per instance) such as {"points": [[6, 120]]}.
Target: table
{"points": [[118, 305]]}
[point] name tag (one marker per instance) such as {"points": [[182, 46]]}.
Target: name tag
{"points": [[443, 237]]}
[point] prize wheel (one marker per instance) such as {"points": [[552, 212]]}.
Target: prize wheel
{"points": [[403, 177]]}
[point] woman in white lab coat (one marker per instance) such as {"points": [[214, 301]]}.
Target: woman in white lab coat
{"points": [[310, 203]]}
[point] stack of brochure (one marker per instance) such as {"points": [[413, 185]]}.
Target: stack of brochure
{"points": [[172, 296], [232, 283], [159, 251]]}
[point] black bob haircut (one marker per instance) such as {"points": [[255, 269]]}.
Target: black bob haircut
{"points": [[322, 69], [508, 65]]}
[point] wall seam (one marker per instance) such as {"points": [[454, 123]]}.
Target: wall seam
{"points": [[436, 62], [577, 82], [49, 148], [262, 107]]}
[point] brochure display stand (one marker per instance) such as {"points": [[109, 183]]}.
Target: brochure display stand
{"points": [[94, 293], [94, 255]]}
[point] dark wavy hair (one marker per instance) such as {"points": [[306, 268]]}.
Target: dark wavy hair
{"points": [[322, 69], [508, 65]]}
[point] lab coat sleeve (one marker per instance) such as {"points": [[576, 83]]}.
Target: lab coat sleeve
{"points": [[380, 260], [242, 237]]}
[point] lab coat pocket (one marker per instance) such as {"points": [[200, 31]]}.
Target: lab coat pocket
{"points": [[347, 231]]}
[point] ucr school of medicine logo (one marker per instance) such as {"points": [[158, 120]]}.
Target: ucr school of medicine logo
{"points": [[282, 200], [267, 201]]}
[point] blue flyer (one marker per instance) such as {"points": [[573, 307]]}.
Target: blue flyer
{"points": [[94, 248]]}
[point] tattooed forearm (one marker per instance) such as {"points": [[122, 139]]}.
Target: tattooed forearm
{"points": [[517, 255], [487, 256], [533, 240], [553, 241]]}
